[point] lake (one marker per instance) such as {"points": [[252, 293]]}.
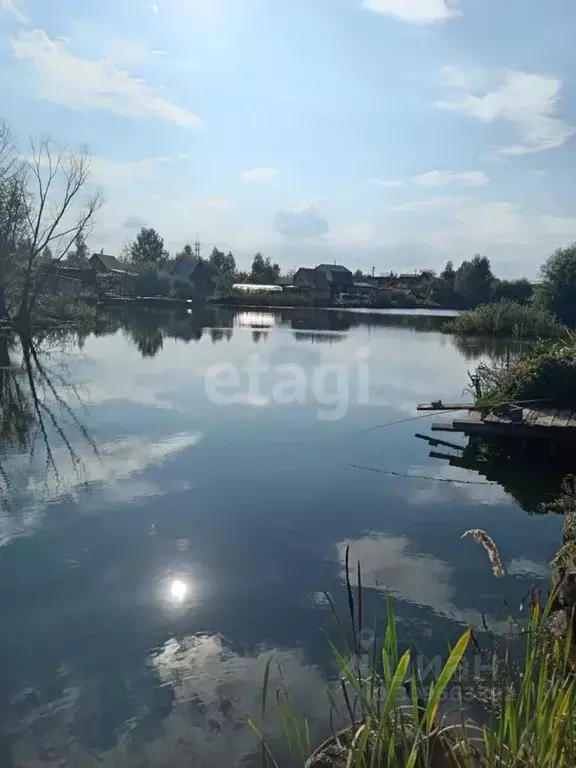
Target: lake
{"points": [[180, 494]]}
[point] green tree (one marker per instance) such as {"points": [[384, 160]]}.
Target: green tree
{"points": [[474, 281], [557, 292], [148, 248], [224, 265], [448, 274], [520, 290], [185, 253], [79, 254], [150, 280], [264, 272], [358, 275]]}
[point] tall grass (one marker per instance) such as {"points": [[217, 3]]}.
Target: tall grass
{"points": [[507, 318], [393, 716]]}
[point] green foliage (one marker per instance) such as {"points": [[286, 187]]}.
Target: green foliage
{"points": [[557, 292], [474, 280], [224, 265], [148, 249], [264, 272], [548, 372], [66, 309], [185, 253], [441, 292], [448, 274], [182, 289], [509, 319], [151, 281], [78, 255], [393, 715], [520, 290]]}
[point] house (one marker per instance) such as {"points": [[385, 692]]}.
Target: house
{"points": [[339, 278], [104, 262], [313, 282], [383, 282], [197, 272], [365, 290], [326, 281]]}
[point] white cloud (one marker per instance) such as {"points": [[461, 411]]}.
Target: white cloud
{"points": [[391, 565], [470, 223], [415, 11], [385, 182], [123, 52], [15, 8], [260, 174], [456, 77], [63, 78], [154, 8], [301, 221], [444, 201], [444, 178], [111, 173], [527, 101]]}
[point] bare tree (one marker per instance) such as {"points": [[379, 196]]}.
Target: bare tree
{"points": [[8, 151], [55, 217], [12, 212]]}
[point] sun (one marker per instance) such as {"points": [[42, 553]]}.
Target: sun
{"points": [[178, 591]]}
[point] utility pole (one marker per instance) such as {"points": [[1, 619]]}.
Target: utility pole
{"points": [[197, 249]]}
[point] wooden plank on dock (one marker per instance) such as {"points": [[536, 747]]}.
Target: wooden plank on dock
{"points": [[447, 427], [572, 422], [562, 417], [545, 417], [505, 429], [529, 416]]}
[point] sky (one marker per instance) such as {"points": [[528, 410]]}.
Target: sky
{"points": [[394, 134]]}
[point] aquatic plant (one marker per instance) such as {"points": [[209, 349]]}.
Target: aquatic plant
{"points": [[506, 318], [392, 715]]}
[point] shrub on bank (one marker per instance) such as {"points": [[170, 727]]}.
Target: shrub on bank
{"points": [[508, 318], [64, 309], [547, 372]]}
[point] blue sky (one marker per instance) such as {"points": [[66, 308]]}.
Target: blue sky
{"points": [[389, 133]]}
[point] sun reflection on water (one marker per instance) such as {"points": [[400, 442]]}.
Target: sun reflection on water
{"points": [[178, 591]]}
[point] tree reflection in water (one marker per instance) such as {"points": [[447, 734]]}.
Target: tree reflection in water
{"points": [[35, 411]]}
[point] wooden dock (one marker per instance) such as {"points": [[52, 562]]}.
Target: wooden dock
{"points": [[552, 423]]}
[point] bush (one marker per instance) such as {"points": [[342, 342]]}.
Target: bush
{"points": [[507, 318], [152, 281], [65, 309], [548, 372], [520, 290]]}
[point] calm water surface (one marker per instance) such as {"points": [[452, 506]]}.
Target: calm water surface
{"points": [[145, 583]]}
